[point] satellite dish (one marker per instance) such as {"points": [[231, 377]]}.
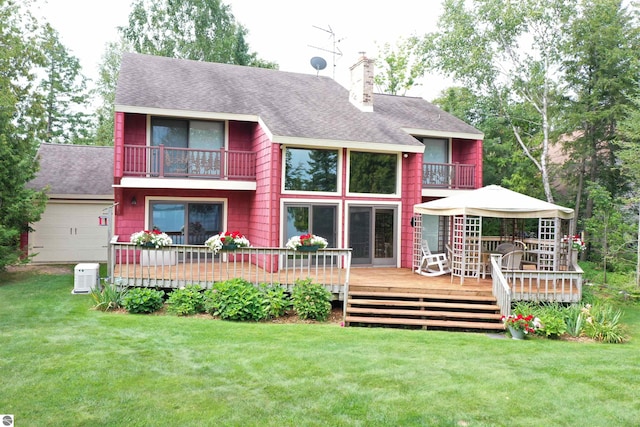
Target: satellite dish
{"points": [[318, 63]]}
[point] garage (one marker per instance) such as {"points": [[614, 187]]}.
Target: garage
{"points": [[78, 182], [70, 232]]}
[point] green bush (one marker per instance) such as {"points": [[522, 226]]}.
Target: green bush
{"points": [[574, 320], [602, 323], [235, 299], [553, 324], [143, 300], [275, 299], [186, 301], [108, 298], [311, 300]]}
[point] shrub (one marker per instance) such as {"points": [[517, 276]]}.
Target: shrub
{"points": [[311, 300], [235, 299], [574, 320], [186, 301], [602, 323], [553, 324], [275, 299], [109, 297], [143, 300]]}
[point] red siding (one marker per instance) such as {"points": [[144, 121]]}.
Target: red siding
{"points": [[411, 195], [466, 151]]}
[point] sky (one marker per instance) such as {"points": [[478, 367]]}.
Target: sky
{"points": [[288, 32]]}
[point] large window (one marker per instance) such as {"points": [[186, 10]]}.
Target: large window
{"points": [[187, 223], [373, 173], [317, 219], [311, 170], [196, 134]]}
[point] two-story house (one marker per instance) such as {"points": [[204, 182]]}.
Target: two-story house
{"points": [[202, 148]]}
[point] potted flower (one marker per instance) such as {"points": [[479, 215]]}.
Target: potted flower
{"points": [[519, 326], [228, 241], [306, 243], [151, 238], [576, 242]]}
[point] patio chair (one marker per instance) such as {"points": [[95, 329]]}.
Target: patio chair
{"points": [[433, 264], [512, 260]]}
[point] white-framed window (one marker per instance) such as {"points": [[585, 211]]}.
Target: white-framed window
{"points": [[302, 217], [187, 221], [311, 170], [374, 173]]}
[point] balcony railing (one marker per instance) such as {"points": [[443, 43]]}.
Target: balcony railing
{"points": [[448, 175], [172, 162]]}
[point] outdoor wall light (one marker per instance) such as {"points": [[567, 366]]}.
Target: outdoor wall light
{"points": [[405, 155], [134, 201]]}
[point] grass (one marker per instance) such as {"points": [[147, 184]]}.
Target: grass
{"points": [[62, 363]]}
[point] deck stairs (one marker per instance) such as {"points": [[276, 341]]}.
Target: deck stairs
{"points": [[427, 309]]}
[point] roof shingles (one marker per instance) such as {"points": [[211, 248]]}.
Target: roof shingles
{"points": [[292, 105]]}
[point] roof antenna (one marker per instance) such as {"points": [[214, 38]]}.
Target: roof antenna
{"points": [[335, 51]]}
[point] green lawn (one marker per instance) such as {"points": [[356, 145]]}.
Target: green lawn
{"points": [[63, 364]]}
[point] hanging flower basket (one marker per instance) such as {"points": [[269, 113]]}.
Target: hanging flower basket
{"points": [[227, 241], [306, 243]]}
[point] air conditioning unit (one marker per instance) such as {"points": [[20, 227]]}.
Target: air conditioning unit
{"points": [[86, 278]]}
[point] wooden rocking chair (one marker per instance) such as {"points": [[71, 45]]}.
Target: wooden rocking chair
{"points": [[433, 264]]}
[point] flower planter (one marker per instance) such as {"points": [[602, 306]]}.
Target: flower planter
{"points": [[158, 257], [516, 334], [229, 247], [308, 248]]}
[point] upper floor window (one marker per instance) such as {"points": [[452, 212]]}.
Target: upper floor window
{"points": [[311, 170], [435, 150], [198, 134], [373, 173]]}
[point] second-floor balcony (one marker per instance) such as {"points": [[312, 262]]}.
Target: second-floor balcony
{"points": [[170, 162], [448, 176]]}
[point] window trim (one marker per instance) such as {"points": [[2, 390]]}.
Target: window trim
{"points": [[283, 170], [398, 189], [150, 199], [289, 201], [225, 125]]}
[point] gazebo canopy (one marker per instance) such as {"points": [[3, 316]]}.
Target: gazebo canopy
{"points": [[493, 201]]}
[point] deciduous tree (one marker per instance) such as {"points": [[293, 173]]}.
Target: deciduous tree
{"points": [[508, 51], [203, 30], [21, 121]]}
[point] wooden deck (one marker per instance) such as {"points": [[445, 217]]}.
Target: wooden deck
{"points": [[405, 280]]}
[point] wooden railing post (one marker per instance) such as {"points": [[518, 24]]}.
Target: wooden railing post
{"points": [[161, 159]]}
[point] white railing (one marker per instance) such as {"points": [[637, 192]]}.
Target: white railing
{"points": [[180, 265], [500, 287], [534, 285]]}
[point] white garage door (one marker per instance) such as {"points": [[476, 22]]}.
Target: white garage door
{"points": [[70, 232]]}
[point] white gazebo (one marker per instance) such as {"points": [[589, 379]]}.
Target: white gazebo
{"points": [[466, 211]]}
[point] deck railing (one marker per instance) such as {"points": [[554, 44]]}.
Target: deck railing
{"points": [[448, 175], [500, 287], [534, 285], [160, 161], [180, 265]]}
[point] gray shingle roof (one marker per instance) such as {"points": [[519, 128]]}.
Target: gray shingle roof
{"points": [[290, 104], [81, 170]]}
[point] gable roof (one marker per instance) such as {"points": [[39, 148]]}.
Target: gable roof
{"points": [[292, 106], [496, 202], [82, 171]]}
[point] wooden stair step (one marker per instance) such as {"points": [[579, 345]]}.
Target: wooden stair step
{"points": [[456, 296], [404, 303], [424, 313], [454, 324]]}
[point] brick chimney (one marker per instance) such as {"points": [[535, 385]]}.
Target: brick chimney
{"points": [[361, 92]]}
